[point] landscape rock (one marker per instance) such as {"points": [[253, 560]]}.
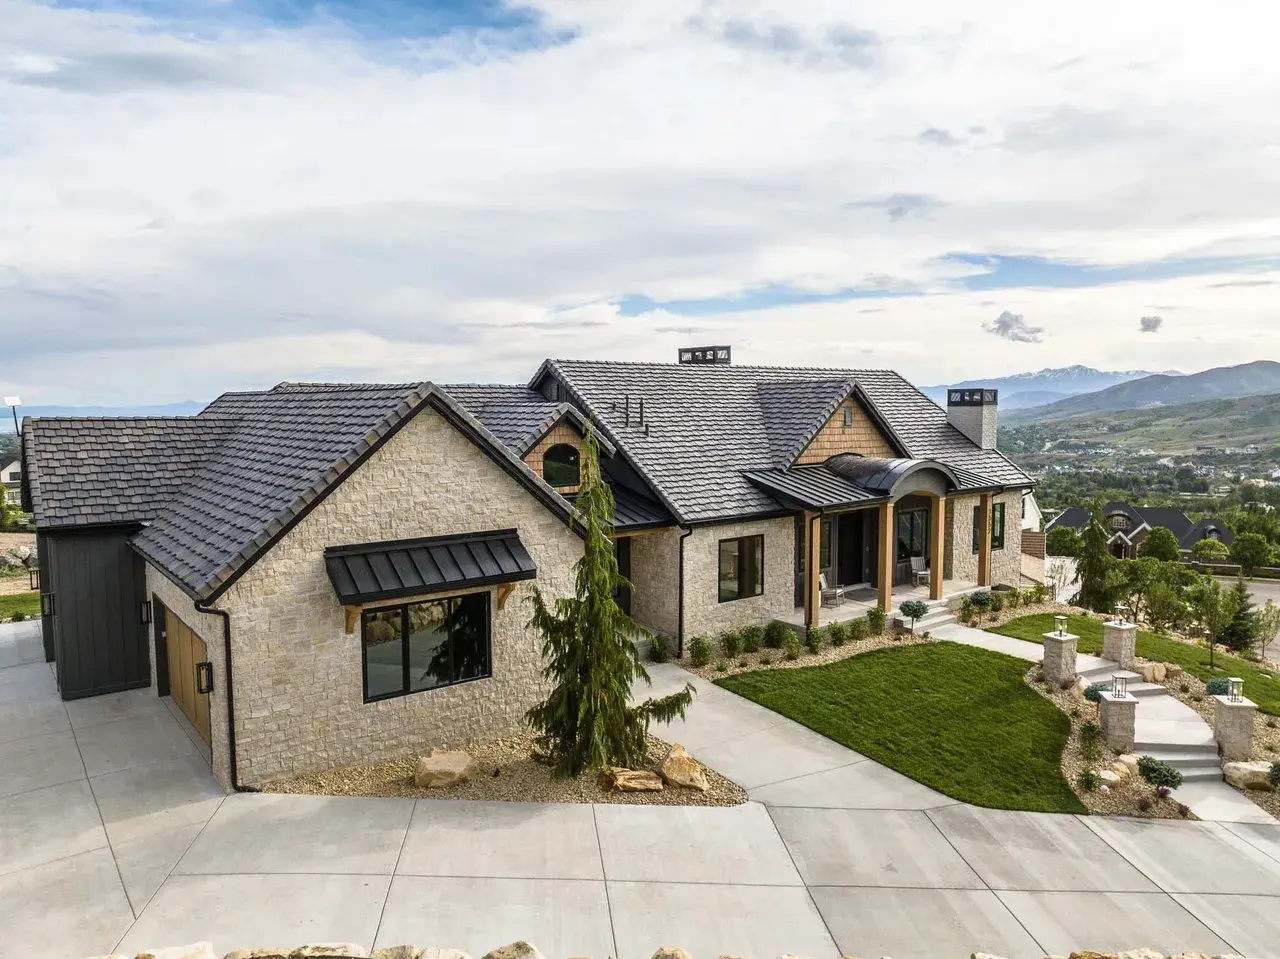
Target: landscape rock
{"points": [[329, 949], [443, 767], [1130, 761], [1250, 775], [435, 953], [398, 952], [21, 553], [1109, 776], [258, 954], [515, 950], [1121, 769], [1172, 670], [1090, 954], [629, 780], [984, 955], [671, 952], [1153, 672], [680, 769], [1141, 954], [196, 950], [10, 562]]}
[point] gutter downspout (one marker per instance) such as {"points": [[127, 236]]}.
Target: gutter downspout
{"points": [[231, 700], [680, 598]]}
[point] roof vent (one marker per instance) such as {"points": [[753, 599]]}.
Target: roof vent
{"points": [[702, 355]]}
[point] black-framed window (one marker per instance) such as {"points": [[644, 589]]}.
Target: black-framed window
{"points": [[741, 568], [426, 645], [913, 533], [560, 465], [997, 526]]}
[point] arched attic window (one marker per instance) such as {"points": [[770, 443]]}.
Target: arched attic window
{"points": [[560, 465]]}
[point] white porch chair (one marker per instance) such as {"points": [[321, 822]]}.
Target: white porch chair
{"points": [[831, 595], [919, 575]]}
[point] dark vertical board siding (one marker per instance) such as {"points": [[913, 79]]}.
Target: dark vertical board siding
{"points": [[46, 622], [158, 616], [100, 639]]}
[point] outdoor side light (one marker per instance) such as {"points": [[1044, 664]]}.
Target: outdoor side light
{"points": [[1060, 622], [146, 611], [1119, 686], [1235, 689], [33, 577]]}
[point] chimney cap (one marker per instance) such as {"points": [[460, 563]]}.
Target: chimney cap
{"points": [[698, 355], [973, 397]]}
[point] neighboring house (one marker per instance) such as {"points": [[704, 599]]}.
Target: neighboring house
{"points": [[336, 573], [1131, 524], [1032, 517], [11, 481]]}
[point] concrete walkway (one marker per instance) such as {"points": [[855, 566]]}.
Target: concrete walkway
{"points": [[113, 835], [1164, 727]]}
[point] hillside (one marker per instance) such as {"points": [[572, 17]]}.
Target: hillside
{"points": [[186, 408], [1248, 379], [1236, 422], [1045, 386]]}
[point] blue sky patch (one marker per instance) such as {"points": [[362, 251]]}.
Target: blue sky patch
{"points": [[1020, 272], [760, 298]]}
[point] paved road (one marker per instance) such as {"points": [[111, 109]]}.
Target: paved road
{"points": [[1260, 589], [113, 835]]}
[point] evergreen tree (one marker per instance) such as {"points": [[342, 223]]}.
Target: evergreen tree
{"points": [[1095, 562], [589, 652], [1241, 631]]}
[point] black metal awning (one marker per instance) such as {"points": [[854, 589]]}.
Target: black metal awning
{"points": [[633, 512], [368, 572]]}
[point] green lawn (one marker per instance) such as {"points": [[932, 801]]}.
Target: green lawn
{"points": [[1260, 685], [955, 718], [28, 603]]}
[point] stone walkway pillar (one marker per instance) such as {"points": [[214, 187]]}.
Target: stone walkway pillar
{"points": [[1119, 715], [1059, 657], [1118, 643], [1233, 727]]}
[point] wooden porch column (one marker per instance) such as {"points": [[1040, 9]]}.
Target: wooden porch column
{"points": [[984, 539], [812, 543], [888, 549], [938, 534]]}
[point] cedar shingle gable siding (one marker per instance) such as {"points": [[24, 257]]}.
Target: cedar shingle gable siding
{"points": [[862, 437], [558, 434]]}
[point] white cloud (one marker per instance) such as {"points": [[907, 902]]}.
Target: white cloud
{"points": [[247, 201], [1151, 324], [1014, 328]]}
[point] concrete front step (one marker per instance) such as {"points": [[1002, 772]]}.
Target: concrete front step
{"points": [[1160, 749], [1200, 774], [1147, 690], [1098, 674], [935, 621]]}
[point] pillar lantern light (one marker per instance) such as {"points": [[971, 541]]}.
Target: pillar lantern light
{"points": [[1060, 625], [1119, 686], [1235, 689]]}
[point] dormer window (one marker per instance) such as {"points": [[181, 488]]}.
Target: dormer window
{"points": [[560, 465], [1120, 522]]}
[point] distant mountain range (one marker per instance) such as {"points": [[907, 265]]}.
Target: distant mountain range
{"points": [[1023, 390], [1161, 389], [185, 408]]}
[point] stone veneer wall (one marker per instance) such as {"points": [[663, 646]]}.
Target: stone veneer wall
{"points": [[961, 562], [655, 580], [298, 674], [703, 613], [209, 628]]}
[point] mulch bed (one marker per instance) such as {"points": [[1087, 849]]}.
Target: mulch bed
{"points": [[719, 667], [508, 773]]}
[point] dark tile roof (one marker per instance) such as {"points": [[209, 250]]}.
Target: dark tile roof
{"points": [[633, 512], [1202, 529], [1170, 517], [516, 415], [368, 572], [94, 470], [217, 488], [708, 425]]}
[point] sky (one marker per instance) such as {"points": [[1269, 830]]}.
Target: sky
{"points": [[208, 195]]}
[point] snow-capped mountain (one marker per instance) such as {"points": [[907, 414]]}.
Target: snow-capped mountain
{"points": [[1045, 386]]}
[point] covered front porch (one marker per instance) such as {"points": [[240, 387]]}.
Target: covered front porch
{"points": [[858, 600]]}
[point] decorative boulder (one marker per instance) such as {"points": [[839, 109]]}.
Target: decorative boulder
{"points": [[1121, 769], [21, 553], [258, 953], [1172, 670], [443, 767], [396, 952], [629, 780], [329, 949], [434, 952], [680, 769], [197, 950], [1252, 775], [1109, 776], [1130, 761], [671, 952], [515, 950]]}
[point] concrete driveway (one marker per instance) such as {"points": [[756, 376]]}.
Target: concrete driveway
{"points": [[113, 835]]}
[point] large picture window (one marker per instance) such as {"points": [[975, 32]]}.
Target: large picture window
{"points": [[741, 571], [420, 646], [560, 465], [997, 526]]}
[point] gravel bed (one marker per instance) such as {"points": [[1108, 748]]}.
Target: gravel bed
{"points": [[749, 662], [508, 773], [12, 584], [1120, 799], [1007, 614], [9, 540]]}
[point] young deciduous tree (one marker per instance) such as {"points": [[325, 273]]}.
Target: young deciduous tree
{"points": [[1063, 541], [1161, 544], [1211, 551], [1214, 608], [589, 652], [1251, 550], [1266, 626]]}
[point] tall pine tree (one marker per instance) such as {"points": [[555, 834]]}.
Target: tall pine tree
{"points": [[1095, 562], [1240, 633], [589, 652]]}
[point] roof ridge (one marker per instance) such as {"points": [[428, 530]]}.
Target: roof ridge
{"points": [[703, 367]]}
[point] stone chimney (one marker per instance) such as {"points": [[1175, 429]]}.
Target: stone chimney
{"points": [[974, 413]]}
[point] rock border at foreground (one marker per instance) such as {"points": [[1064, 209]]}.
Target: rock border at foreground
{"points": [[525, 950]]}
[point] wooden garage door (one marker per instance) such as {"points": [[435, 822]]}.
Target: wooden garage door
{"points": [[186, 650]]}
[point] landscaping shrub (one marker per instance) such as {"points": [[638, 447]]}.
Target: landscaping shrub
{"points": [[791, 646], [1144, 804], [722, 667], [699, 652], [1090, 741], [981, 601], [1184, 810], [775, 634], [1088, 780], [1184, 687], [1158, 772], [766, 659], [730, 644], [856, 629], [1273, 775], [997, 603], [1094, 691], [1217, 686], [914, 609], [660, 648], [744, 662], [815, 639], [1015, 598], [18, 616], [875, 621], [837, 633], [1163, 792], [752, 638], [966, 610]]}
